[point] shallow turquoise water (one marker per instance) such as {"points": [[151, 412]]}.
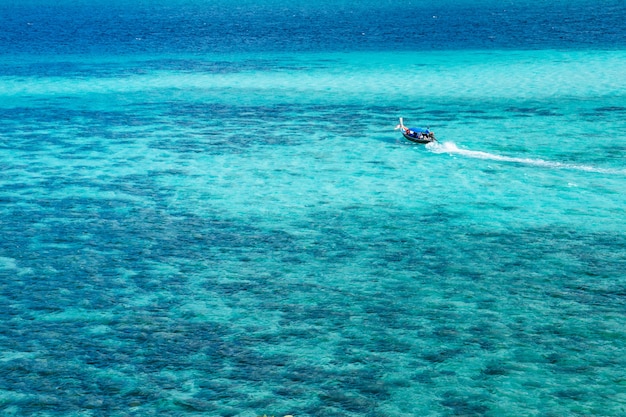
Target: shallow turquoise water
{"points": [[246, 234]]}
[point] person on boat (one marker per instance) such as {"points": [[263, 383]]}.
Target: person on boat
{"points": [[414, 133], [419, 133]]}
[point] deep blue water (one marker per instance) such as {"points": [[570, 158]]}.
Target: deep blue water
{"points": [[118, 27], [205, 210]]}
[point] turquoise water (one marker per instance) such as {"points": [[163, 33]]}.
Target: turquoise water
{"points": [[240, 233]]}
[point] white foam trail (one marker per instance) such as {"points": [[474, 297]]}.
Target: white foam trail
{"points": [[451, 148]]}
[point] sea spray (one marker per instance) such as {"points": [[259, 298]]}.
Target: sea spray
{"points": [[452, 149]]}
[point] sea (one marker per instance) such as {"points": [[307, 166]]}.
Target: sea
{"points": [[205, 209]]}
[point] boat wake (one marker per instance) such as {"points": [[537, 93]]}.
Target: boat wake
{"points": [[451, 148]]}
